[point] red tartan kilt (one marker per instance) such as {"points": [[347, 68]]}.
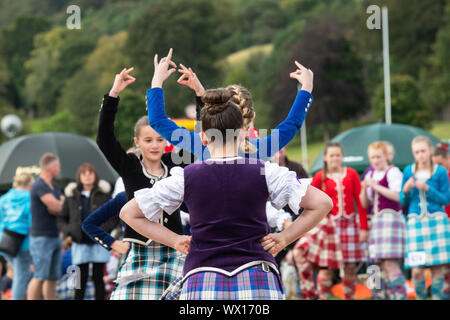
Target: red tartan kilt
{"points": [[332, 242], [321, 245], [348, 230]]}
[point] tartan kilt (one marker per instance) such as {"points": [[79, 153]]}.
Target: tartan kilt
{"points": [[147, 272], [387, 235], [250, 284], [428, 233], [321, 245], [348, 231]]}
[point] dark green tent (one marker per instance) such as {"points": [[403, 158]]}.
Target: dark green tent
{"points": [[355, 142], [23, 154]]}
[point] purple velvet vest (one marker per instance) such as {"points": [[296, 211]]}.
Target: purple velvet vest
{"points": [[383, 202], [227, 209]]}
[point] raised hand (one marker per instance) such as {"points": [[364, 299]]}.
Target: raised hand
{"points": [[162, 71], [122, 80], [189, 79], [304, 76]]}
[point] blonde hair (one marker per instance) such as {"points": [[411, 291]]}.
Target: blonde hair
{"points": [[243, 99], [22, 180], [420, 139], [142, 122]]}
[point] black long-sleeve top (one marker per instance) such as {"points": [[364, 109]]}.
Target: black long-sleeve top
{"points": [[129, 166]]}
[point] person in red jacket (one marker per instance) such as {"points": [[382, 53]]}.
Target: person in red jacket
{"points": [[335, 242]]}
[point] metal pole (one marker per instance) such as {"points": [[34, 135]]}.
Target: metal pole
{"points": [[304, 146], [387, 79]]}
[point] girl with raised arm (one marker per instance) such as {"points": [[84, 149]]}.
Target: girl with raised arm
{"points": [[425, 188], [150, 266], [231, 252], [262, 149]]}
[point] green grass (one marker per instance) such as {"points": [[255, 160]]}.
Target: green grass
{"points": [[441, 130], [241, 56], [313, 150]]}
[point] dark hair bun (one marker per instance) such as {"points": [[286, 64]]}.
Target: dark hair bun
{"points": [[216, 100]]}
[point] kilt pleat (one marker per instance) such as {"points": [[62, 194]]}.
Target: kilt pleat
{"points": [[147, 272], [321, 245], [387, 235], [348, 231], [427, 235], [250, 284]]}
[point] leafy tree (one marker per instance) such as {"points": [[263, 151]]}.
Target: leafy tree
{"points": [[57, 55], [329, 53], [10, 9], [193, 28], [435, 80], [406, 104], [420, 20], [16, 43], [131, 108], [83, 98]]}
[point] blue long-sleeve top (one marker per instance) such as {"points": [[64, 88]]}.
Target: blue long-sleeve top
{"points": [[111, 209], [430, 201], [187, 140], [15, 213]]}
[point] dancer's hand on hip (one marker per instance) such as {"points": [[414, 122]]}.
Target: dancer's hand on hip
{"points": [[183, 244], [162, 71], [273, 243], [121, 247], [122, 80]]}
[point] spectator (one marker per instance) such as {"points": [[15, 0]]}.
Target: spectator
{"points": [[6, 280], [45, 245], [83, 197], [15, 218]]}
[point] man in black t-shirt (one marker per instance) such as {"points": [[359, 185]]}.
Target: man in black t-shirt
{"points": [[45, 244]]}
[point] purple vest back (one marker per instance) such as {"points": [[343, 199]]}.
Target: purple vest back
{"points": [[383, 202], [227, 207]]}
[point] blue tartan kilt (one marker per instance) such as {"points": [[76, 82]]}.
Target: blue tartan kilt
{"points": [[250, 284], [428, 237], [147, 272]]}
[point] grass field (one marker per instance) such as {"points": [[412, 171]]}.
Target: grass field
{"points": [[440, 129]]}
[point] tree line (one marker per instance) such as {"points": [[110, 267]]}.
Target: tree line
{"points": [[54, 78]]}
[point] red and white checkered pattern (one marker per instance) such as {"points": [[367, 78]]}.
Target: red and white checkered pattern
{"points": [[348, 232], [321, 245]]}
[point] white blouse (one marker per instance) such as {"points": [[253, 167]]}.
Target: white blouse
{"points": [[394, 178], [275, 217], [168, 194]]}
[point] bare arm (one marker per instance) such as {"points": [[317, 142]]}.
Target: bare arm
{"points": [[54, 206], [363, 195], [134, 217], [386, 192], [316, 206]]}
